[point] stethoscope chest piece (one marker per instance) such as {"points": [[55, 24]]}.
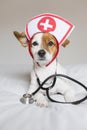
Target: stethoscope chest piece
{"points": [[27, 99]]}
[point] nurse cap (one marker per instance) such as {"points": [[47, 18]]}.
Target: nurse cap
{"points": [[50, 23]]}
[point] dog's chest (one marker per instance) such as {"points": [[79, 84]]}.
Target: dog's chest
{"points": [[45, 72]]}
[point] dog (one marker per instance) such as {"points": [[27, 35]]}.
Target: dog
{"points": [[43, 47]]}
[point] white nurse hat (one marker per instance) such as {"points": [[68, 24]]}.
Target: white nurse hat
{"points": [[51, 23]]}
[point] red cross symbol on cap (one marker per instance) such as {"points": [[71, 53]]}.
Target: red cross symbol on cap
{"points": [[46, 24]]}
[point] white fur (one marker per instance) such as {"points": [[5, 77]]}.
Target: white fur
{"points": [[43, 72]]}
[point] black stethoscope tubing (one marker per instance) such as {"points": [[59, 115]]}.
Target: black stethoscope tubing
{"points": [[54, 81]]}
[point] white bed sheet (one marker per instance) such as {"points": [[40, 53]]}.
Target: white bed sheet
{"points": [[14, 82]]}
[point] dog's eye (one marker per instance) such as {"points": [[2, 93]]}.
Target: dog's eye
{"points": [[50, 43], [34, 43]]}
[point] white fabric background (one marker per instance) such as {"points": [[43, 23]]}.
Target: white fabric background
{"points": [[14, 82]]}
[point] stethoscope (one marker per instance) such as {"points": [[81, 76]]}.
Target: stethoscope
{"points": [[28, 98]]}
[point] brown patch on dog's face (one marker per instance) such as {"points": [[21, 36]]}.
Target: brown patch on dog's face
{"points": [[49, 43]]}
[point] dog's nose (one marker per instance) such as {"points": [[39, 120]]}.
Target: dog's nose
{"points": [[41, 53]]}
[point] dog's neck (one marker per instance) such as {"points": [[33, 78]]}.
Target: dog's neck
{"points": [[45, 70]]}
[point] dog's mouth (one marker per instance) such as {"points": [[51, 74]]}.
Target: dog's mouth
{"points": [[41, 59]]}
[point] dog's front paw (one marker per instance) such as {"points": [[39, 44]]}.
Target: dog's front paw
{"points": [[41, 101], [69, 96]]}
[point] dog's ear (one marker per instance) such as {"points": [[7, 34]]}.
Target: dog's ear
{"points": [[22, 38], [65, 43]]}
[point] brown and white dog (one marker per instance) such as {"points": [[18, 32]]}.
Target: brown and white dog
{"points": [[44, 48]]}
